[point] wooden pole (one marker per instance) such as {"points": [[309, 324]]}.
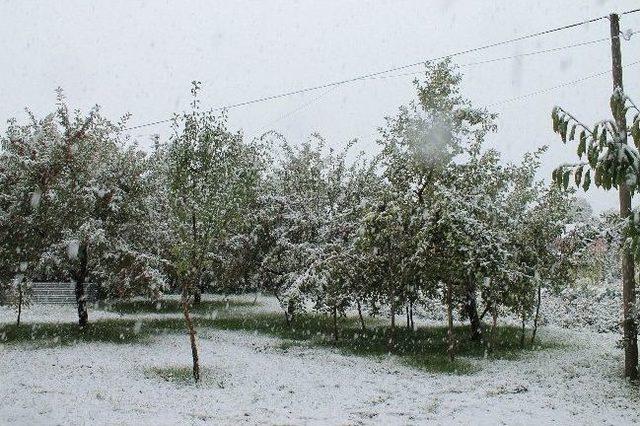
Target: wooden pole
{"points": [[630, 329]]}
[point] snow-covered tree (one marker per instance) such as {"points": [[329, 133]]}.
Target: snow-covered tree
{"points": [[290, 221], [84, 190], [211, 177]]}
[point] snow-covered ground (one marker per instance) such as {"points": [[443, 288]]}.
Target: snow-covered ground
{"points": [[251, 379]]}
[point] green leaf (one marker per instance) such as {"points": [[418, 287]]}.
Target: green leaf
{"points": [[578, 175], [555, 120], [605, 180], [582, 145], [586, 181], [593, 156], [572, 134], [565, 179], [563, 130], [603, 139]]}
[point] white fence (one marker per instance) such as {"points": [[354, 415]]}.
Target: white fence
{"points": [[59, 293]]}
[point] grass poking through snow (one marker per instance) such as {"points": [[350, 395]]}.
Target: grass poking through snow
{"points": [[119, 331], [184, 375], [171, 306], [424, 348]]}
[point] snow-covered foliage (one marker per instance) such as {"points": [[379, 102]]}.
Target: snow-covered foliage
{"points": [[74, 206], [434, 220], [615, 163], [611, 159], [211, 189]]}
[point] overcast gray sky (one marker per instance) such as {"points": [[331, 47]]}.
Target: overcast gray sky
{"points": [[140, 57]]}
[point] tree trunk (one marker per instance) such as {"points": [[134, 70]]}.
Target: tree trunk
{"points": [[629, 326], [80, 277], [197, 294], [537, 315], [406, 308], [360, 315], [81, 300], [19, 303], [522, 331], [450, 337], [335, 323], [413, 325], [494, 326], [285, 311], [192, 337], [393, 318], [471, 308], [291, 309], [197, 290], [286, 319], [392, 328]]}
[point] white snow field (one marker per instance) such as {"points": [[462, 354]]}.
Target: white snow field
{"points": [[251, 379]]}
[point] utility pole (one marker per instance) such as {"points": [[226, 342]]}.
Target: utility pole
{"points": [[629, 326]]}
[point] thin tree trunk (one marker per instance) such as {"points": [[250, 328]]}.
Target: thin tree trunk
{"points": [[471, 307], [411, 315], [362, 326], [522, 331], [335, 323], [393, 318], [197, 290], [81, 300], [80, 278], [537, 315], [392, 329], [19, 303], [450, 337], [406, 308], [494, 327], [291, 309], [286, 314], [197, 295], [192, 336]]}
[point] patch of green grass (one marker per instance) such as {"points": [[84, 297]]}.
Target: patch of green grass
{"points": [[179, 375], [170, 306], [110, 331], [424, 348], [184, 376]]}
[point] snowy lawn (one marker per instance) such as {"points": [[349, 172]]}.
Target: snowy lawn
{"points": [[424, 348], [252, 377]]}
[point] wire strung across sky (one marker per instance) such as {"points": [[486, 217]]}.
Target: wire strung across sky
{"points": [[558, 86], [503, 58], [380, 74], [536, 92]]}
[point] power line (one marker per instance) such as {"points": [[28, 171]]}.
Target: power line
{"points": [[295, 110], [399, 68], [503, 58], [526, 54], [323, 94], [540, 91], [559, 86]]}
